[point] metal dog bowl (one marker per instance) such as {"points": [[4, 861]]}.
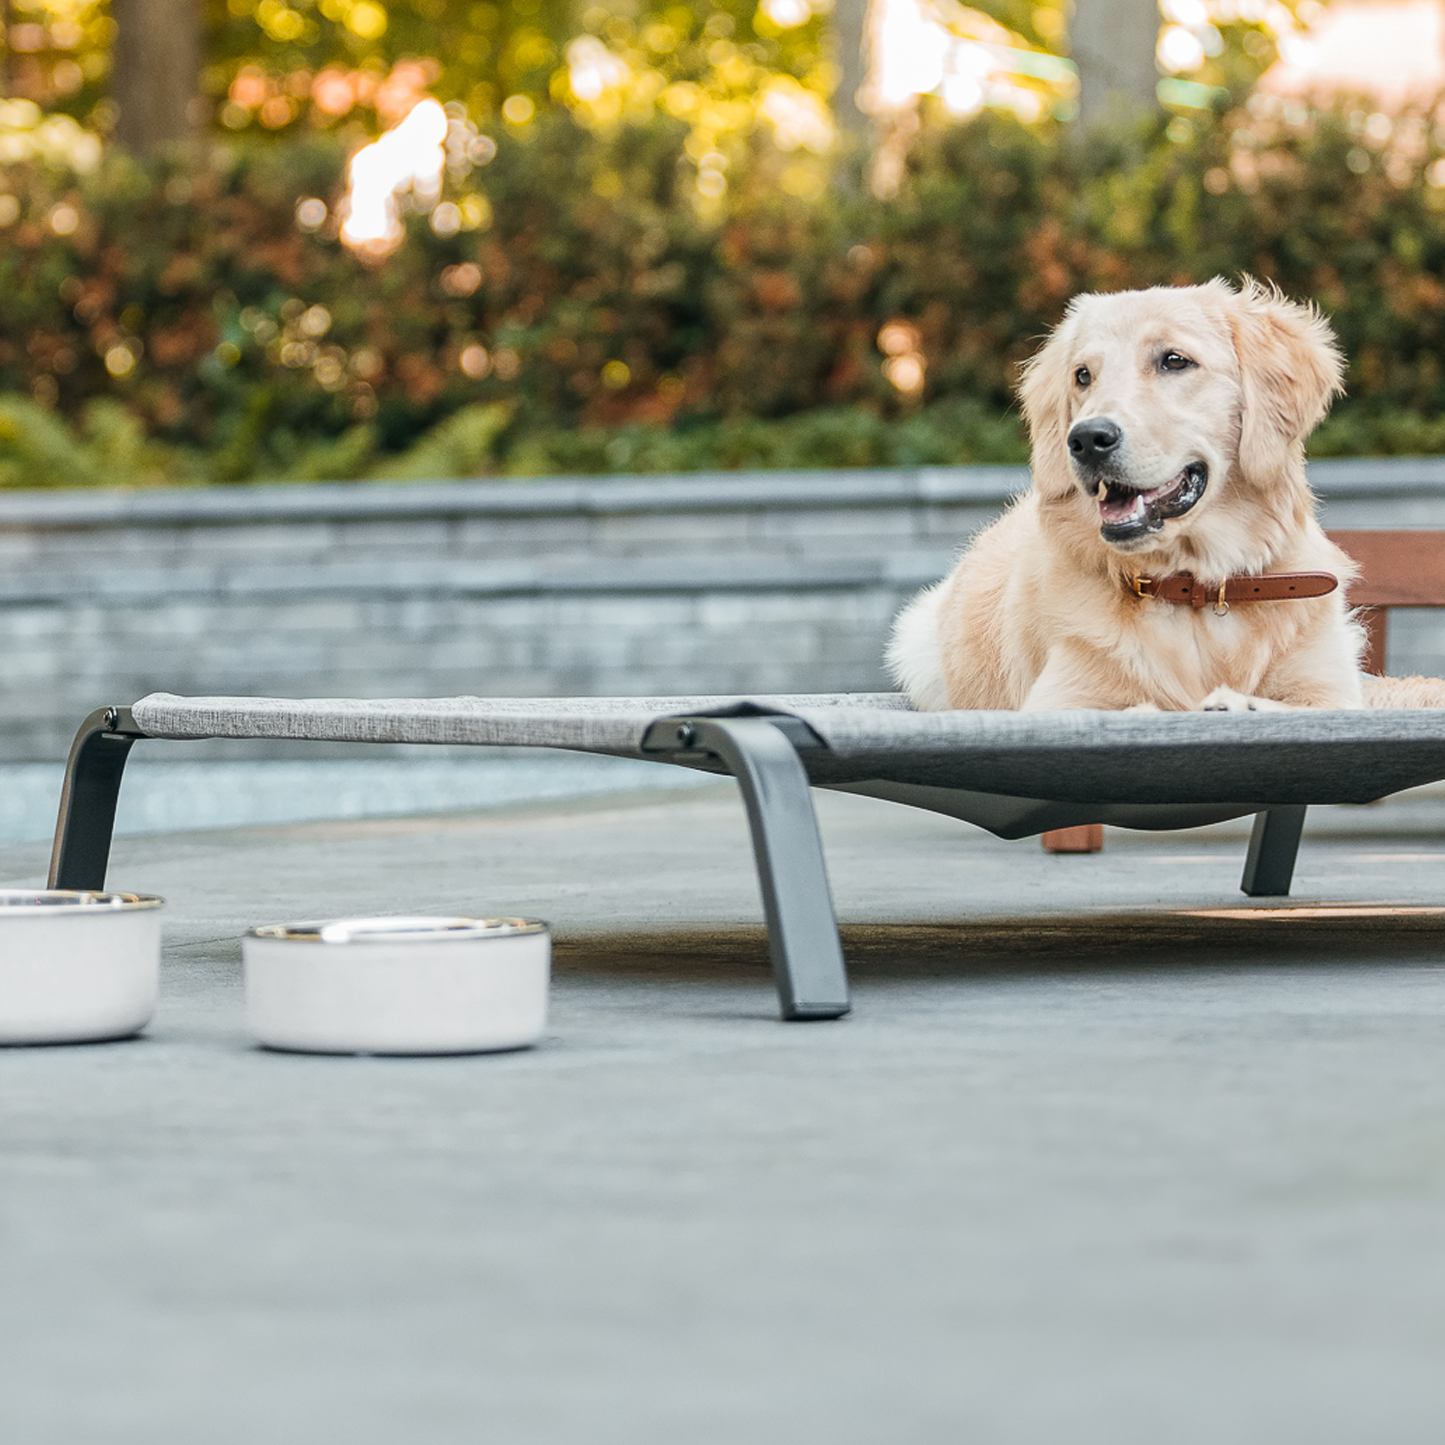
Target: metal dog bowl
{"points": [[77, 966], [398, 985]]}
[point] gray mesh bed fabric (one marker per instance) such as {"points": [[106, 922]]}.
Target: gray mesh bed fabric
{"points": [[1107, 759], [1013, 773]]}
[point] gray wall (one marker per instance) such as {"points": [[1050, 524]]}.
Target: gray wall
{"points": [[727, 583]]}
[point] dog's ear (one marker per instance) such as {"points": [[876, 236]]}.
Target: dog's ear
{"points": [[1044, 396], [1290, 371]]}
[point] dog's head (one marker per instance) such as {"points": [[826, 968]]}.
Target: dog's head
{"points": [[1147, 408]]}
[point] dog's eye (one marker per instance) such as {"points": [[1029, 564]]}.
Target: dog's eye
{"points": [[1174, 361], [1082, 377]]}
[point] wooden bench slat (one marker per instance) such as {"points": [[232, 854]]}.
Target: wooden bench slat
{"points": [[1401, 569]]}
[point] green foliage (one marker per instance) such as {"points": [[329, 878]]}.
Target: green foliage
{"points": [[464, 445], [946, 433], [594, 320], [108, 448], [57, 55], [472, 50], [37, 449], [295, 59], [1356, 432]]}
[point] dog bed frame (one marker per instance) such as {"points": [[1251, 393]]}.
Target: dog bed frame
{"points": [[1015, 774]]}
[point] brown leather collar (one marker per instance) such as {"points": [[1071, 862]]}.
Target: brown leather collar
{"points": [[1184, 588]]}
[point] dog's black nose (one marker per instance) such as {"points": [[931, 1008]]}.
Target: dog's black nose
{"points": [[1093, 439]]}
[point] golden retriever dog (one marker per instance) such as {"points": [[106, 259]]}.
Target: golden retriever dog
{"points": [[1167, 430]]}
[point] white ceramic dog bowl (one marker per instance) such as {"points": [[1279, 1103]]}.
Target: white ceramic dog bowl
{"points": [[77, 966], [398, 985]]}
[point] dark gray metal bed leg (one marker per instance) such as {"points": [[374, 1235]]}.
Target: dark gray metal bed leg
{"points": [[1269, 865], [88, 798], [802, 928]]}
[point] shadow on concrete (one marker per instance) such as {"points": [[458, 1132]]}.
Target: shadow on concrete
{"points": [[1153, 942]]}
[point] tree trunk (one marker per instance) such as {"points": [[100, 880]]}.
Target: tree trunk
{"points": [[1113, 45], [155, 72], [850, 30]]}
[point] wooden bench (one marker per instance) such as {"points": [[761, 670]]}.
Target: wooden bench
{"points": [[1397, 569]]}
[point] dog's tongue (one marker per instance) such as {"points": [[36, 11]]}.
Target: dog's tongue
{"points": [[1121, 504]]}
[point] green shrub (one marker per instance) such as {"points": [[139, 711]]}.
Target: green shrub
{"points": [[1354, 432], [37, 449], [598, 323], [109, 447], [943, 434], [464, 445]]}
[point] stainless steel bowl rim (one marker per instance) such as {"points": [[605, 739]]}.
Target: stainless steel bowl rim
{"points": [[53, 902], [409, 929]]}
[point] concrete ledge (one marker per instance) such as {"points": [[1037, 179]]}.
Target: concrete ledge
{"points": [[467, 579], [1352, 477], [522, 496], [1340, 478]]}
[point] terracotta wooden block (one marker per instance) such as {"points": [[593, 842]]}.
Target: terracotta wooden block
{"points": [[1086, 838], [1397, 569]]}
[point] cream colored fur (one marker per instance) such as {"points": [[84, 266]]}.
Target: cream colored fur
{"points": [[1038, 614]]}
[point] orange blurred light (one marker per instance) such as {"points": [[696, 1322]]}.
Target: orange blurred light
{"points": [[249, 88], [332, 93]]}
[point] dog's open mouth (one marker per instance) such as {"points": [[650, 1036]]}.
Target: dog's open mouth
{"points": [[1126, 513]]}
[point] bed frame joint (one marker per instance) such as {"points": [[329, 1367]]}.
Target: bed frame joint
{"points": [[762, 754]]}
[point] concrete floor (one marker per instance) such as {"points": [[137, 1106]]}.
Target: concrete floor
{"points": [[1103, 1154]]}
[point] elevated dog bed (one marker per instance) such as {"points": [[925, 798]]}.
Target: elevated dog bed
{"points": [[1015, 774]]}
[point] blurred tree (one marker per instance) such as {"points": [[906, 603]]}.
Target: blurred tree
{"points": [[57, 54], [850, 29], [1113, 43], [280, 66], [318, 61], [155, 69]]}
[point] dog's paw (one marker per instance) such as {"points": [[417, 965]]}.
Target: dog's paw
{"points": [[1225, 699]]}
